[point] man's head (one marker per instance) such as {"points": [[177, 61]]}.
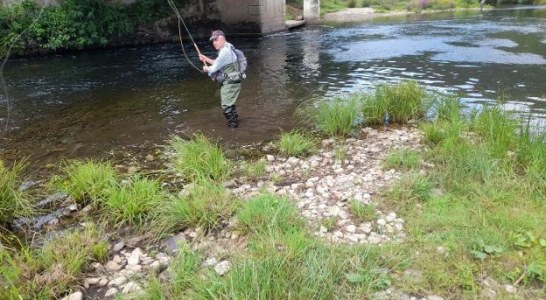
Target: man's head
{"points": [[218, 39]]}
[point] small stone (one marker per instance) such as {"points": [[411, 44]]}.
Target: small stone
{"points": [[510, 289], [131, 287], [111, 292], [434, 297], [134, 268], [222, 267], [351, 228], [117, 247], [270, 157], [134, 259], [112, 266], [381, 222], [103, 281], [210, 262], [74, 296], [118, 281], [91, 281], [155, 266]]}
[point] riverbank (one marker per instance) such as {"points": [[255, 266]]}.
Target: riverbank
{"points": [[364, 14], [420, 209]]}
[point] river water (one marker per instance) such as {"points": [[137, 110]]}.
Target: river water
{"points": [[96, 103]]}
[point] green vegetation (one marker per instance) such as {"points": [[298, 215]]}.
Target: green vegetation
{"points": [[362, 212], [483, 202], [266, 214], [74, 24], [295, 143], [404, 159], [328, 6], [336, 117], [48, 272], [204, 205], [254, 170], [134, 202], [402, 102], [303, 267], [13, 203], [87, 180], [199, 159]]}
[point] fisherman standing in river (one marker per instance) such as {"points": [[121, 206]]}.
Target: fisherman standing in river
{"points": [[226, 70]]}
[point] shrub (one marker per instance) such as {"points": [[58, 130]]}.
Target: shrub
{"points": [[13, 203], [294, 143], [199, 159]]}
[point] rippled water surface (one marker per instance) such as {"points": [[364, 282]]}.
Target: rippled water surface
{"points": [[94, 103]]}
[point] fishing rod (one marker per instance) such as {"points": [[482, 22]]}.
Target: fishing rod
{"points": [[181, 20]]}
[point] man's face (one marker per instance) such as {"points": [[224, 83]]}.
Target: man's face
{"points": [[218, 42]]}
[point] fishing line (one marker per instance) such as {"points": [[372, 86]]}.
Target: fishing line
{"points": [[2, 81], [181, 20]]}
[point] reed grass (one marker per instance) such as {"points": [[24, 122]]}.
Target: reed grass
{"points": [[338, 116], [403, 159]]}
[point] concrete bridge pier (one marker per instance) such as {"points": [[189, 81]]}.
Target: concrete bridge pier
{"points": [[311, 10]]}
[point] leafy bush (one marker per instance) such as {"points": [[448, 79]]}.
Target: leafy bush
{"points": [[73, 23]]}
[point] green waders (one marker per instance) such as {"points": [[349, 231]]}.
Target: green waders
{"points": [[229, 92]]}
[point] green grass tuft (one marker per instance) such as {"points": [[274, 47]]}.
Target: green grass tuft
{"points": [[405, 159], [199, 159], [133, 203], [338, 116], [362, 212], [267, 213], [86, 180], [294, 144], [403, 102], [205, 205], [13, 203]]}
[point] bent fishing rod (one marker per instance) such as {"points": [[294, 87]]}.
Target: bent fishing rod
{"points": [[181, 21]]}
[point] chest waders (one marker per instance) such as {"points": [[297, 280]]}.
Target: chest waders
{"points": [[229, 91]]}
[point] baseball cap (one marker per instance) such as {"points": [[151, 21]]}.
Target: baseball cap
{"points": [[215, 34]]}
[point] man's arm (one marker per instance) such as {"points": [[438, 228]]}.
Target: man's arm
{"points": [[206, 59]]}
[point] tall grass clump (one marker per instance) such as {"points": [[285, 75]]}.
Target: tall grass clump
{"points": [[267, 213], [497, 128], [204, 205], [135, 202], [295, 143], [254, 170], [401, 102], [13, 202], [338, 116], [199, 159], [51, 270], [87, 180]]}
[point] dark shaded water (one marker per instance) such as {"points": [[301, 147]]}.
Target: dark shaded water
{"points": [[95, 103]]}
